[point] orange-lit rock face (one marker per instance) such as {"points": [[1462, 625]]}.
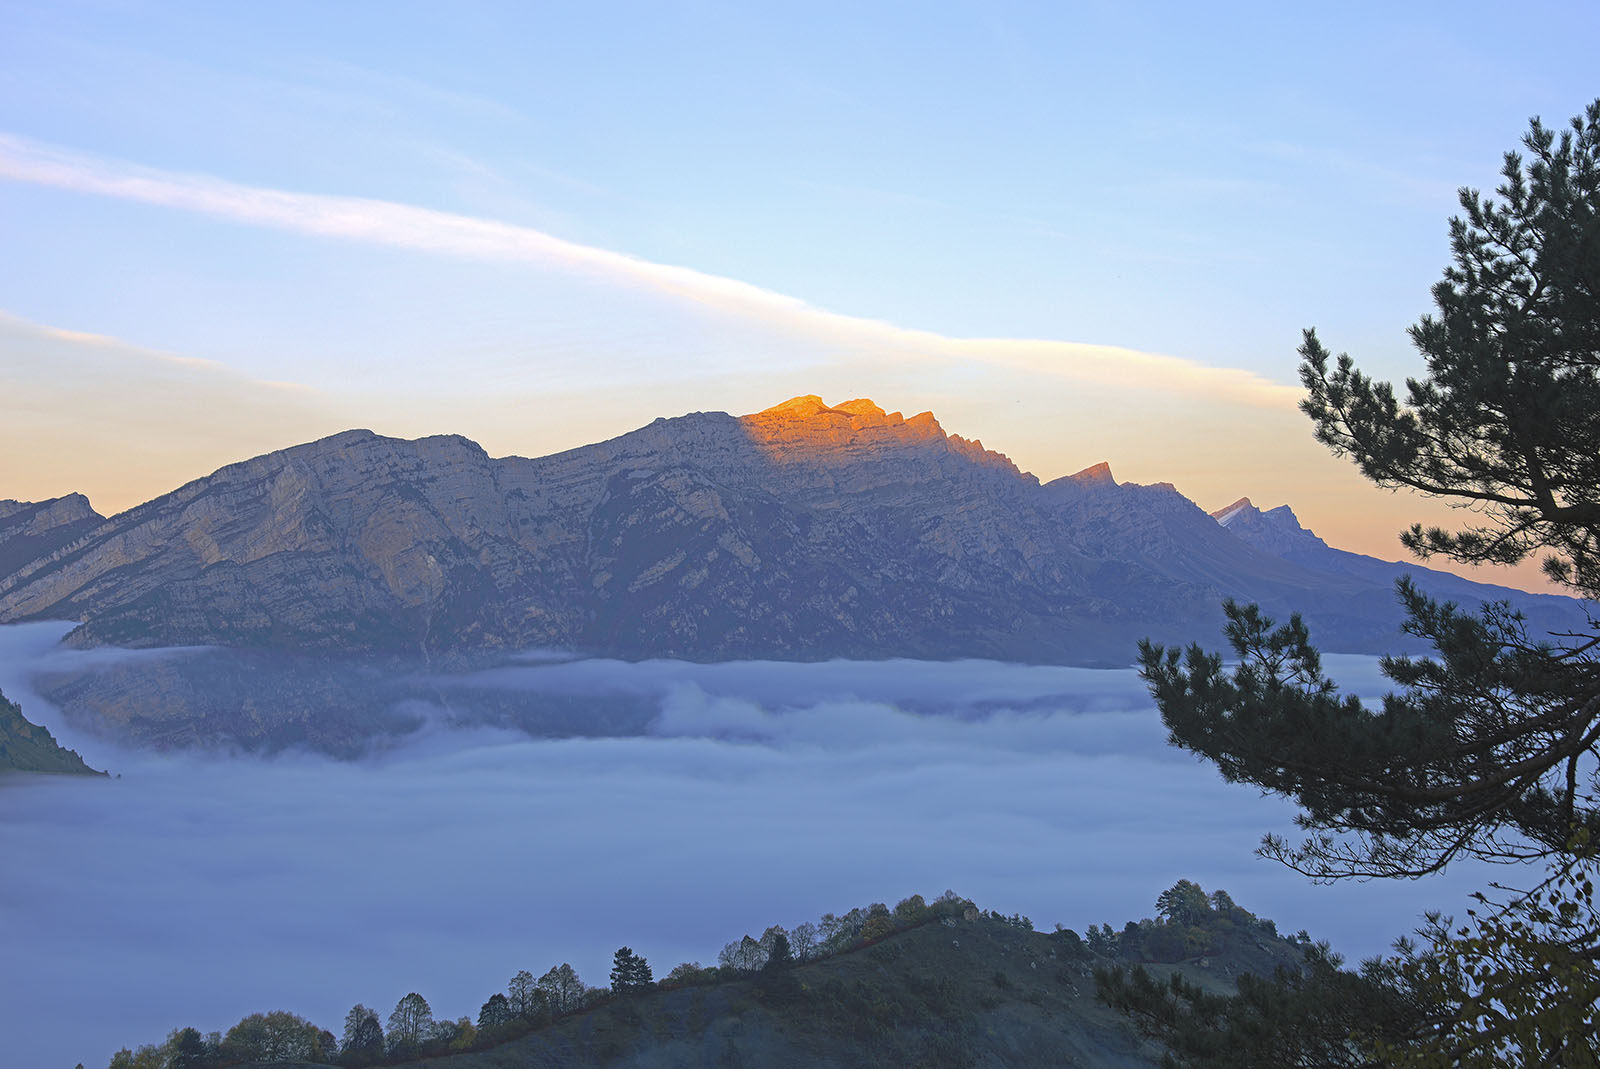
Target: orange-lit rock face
{"points": [[807, 429]]}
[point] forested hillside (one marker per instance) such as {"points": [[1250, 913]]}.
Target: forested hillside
{"points": [[27, 747], [932, 984]]}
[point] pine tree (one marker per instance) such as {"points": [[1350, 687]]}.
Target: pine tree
{"points": [[1489, 747], [630, 973]]}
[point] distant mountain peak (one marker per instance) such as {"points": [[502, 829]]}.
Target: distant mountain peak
{"points": [[1277, 531], [349, 437], [1225, 515], [809, 408], [1244, 511], [802, 407], [1284, 515], [1095, 474]]}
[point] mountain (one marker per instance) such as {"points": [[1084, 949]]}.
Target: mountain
{"points": [[27, 747], [338, 583], [1278, 532], [804, 531]]}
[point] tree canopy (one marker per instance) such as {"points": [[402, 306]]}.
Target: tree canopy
{"points": [[1482, 750], [521, 993], [278, 1036], [562, 988]]}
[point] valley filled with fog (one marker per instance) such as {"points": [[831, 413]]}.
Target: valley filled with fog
{"points": [[197, 888]]}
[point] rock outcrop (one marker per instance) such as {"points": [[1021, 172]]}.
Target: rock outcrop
{"points": [[31, 530]]}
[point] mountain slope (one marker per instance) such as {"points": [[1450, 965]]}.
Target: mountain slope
{"points": [[804, 531], [27, 747]]}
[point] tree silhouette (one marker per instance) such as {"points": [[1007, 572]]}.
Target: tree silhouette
{"points": [[1490, 748], [363, 1035], [520, 993], [495, 1012], [411, 1023], [563, 990], [630, 973]]}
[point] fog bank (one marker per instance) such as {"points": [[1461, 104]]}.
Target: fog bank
{"points": [[196, 889]]}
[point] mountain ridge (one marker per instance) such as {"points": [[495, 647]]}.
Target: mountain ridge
{"points": [[1278, 531], [801, 531], [340, 585]]}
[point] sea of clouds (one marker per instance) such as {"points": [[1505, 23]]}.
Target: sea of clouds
{"points": [[195, 889]]}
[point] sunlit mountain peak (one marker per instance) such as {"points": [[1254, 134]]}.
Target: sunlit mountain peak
{"points": [[810, 407], [807, 424]]}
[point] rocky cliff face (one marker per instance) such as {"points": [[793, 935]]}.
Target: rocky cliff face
{"points": [[803, 531], [30, 530]]}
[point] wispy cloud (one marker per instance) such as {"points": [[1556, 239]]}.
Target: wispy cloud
{"points": [[122, 423], [425, 230], [10, 324]]}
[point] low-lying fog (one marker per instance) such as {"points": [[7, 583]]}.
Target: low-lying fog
{"points": [[194, 890]]}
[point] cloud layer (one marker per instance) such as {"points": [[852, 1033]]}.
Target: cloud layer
{"points": [[195, 891], [425, 230]]}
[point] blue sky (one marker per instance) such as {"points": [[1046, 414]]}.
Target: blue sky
{"points": [[1165, 179]]}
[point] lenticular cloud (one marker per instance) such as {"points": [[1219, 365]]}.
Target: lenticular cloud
{"points": [[197, 889]]}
